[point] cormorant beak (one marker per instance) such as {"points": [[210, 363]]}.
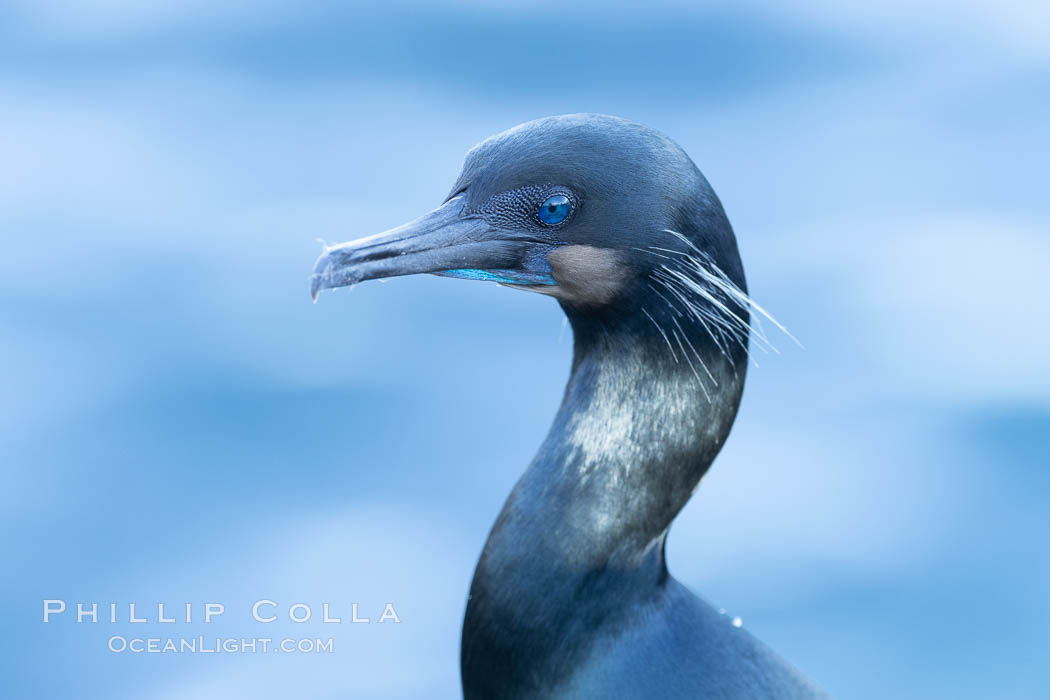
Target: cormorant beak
{"points": [[448, 241]]}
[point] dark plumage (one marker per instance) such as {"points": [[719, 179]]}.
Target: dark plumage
{"points": [[571, 596]]}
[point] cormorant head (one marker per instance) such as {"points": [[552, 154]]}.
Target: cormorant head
{"points": [[587, 208]]}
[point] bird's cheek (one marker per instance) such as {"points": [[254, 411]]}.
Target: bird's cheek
{"points": [[586, 275]]}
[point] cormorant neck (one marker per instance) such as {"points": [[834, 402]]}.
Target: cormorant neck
{"points": [[582, 533], [640, 423]]}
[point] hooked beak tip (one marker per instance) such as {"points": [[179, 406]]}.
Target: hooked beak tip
{"points": [[323, 273], [319, 280]]}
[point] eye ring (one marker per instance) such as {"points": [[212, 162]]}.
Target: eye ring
{"points": [[555, 209]]}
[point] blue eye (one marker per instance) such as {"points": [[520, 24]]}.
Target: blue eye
{"points": [[555, 209]]}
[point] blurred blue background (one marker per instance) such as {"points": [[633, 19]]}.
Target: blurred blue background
{"points": [[180, 424]]}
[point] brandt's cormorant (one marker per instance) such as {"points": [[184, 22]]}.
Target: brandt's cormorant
{"points": [[571, 597]]}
